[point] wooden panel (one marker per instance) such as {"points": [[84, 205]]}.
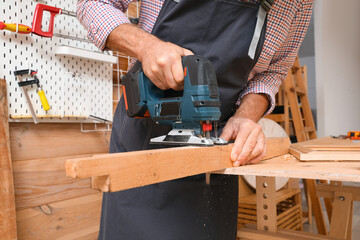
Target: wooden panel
{"points": [[43, 181], [289, 166], [7, 199], [134, 169], [77, 218], [44, 140], [341, 215], [282, 234], [326, 149]]}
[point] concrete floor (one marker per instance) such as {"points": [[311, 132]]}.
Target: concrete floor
{"points": [[356, 217]]}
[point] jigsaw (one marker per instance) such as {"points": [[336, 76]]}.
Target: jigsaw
{"points": [[191, 112]]}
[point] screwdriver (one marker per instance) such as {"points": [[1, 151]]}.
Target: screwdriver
{"points": [[13, 27]]}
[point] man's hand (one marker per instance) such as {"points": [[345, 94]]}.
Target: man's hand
{"points": [[249, 145], [161, 61]]}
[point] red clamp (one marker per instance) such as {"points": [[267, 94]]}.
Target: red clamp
{"points": [[38, 16]]}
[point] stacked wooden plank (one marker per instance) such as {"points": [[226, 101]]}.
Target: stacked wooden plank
{"points": [[288, 206]]}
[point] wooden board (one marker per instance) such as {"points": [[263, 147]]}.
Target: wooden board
{"points": [[289, 166], [42, 181], [7, 198], [46, 140], [114, 172], [77, 218], [282, 234], [326, 149]]}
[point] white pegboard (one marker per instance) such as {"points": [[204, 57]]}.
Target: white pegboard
{"points": [[75, 88]]}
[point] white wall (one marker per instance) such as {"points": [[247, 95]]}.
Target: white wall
{"points": [[337, 52]]}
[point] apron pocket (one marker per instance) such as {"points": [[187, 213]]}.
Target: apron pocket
{"points": [[241, 3]]}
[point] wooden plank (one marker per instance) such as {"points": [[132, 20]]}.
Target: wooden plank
{"points": [[316, 207], [77, 218], [289, 166], [279, 196], [283, 217], [7, 197], [134, 169], [266, 204], [42, 181], [46, 140], [328, 191], [342, 212], [282, 234], [329, 141], [326, 150], [276, 117]]}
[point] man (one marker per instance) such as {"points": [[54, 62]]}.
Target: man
{"points": [[251, 44]]}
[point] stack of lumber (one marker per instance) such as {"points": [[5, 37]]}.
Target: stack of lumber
{"points": [[288, 206]]}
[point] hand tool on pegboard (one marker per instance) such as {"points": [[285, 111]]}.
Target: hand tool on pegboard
{"points": [[14, 27], [19, 74], [38, 17]]}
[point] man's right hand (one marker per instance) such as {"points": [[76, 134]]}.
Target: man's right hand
{"points": [[161, 61]]}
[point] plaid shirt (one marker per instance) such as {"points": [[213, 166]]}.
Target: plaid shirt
{"points": [[286, 27]]}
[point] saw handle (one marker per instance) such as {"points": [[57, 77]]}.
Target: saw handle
{"points": [[38, 17]]}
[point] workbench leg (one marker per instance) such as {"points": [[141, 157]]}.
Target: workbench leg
{"points": [[266, 204], [316, 207], [308, 202], [328, 202], [342, 213], [7, 197]]}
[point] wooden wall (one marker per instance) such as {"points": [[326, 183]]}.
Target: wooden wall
{"points": [[50, 205]]}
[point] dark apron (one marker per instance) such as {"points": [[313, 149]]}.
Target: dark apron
{"points": [[187, 208]]}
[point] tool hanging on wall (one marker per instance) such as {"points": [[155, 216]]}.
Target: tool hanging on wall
{"points": [[44, 102], [38, 18], [14, 27]]}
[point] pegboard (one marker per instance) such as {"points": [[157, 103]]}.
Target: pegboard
{"points": [[76, 88]]}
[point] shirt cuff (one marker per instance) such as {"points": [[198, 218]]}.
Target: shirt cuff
{"points": [[259, 88]]}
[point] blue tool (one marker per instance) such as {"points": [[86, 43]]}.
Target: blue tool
{"points": [[190, 112]]}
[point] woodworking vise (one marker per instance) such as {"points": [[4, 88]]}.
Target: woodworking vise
{"points": [[191, 112]]}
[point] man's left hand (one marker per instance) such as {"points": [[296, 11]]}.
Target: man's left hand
{"points": [[249, 145]]}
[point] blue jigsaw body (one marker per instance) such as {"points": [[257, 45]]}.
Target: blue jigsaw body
{"points": [[198, 102]]}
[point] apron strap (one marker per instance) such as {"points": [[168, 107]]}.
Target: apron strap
{"points": [[263, 10]]}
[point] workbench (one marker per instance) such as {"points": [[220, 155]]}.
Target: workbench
{"points": [[114, 172]]}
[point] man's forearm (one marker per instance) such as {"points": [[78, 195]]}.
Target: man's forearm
{"points": [[253, 106], [129, 40]]}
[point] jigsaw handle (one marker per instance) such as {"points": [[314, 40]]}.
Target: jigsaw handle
{"points": [[38, 17]]}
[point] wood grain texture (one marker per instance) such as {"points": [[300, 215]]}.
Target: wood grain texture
{"points": [[42, 181], [77, 218], [282, 234], [134, 169], [289, 166], [7, 198], [326, 149], [342, 213], [46, 140]]}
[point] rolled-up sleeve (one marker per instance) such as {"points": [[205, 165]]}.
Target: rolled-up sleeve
{"points": [[101, 17], [281, 56]]}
